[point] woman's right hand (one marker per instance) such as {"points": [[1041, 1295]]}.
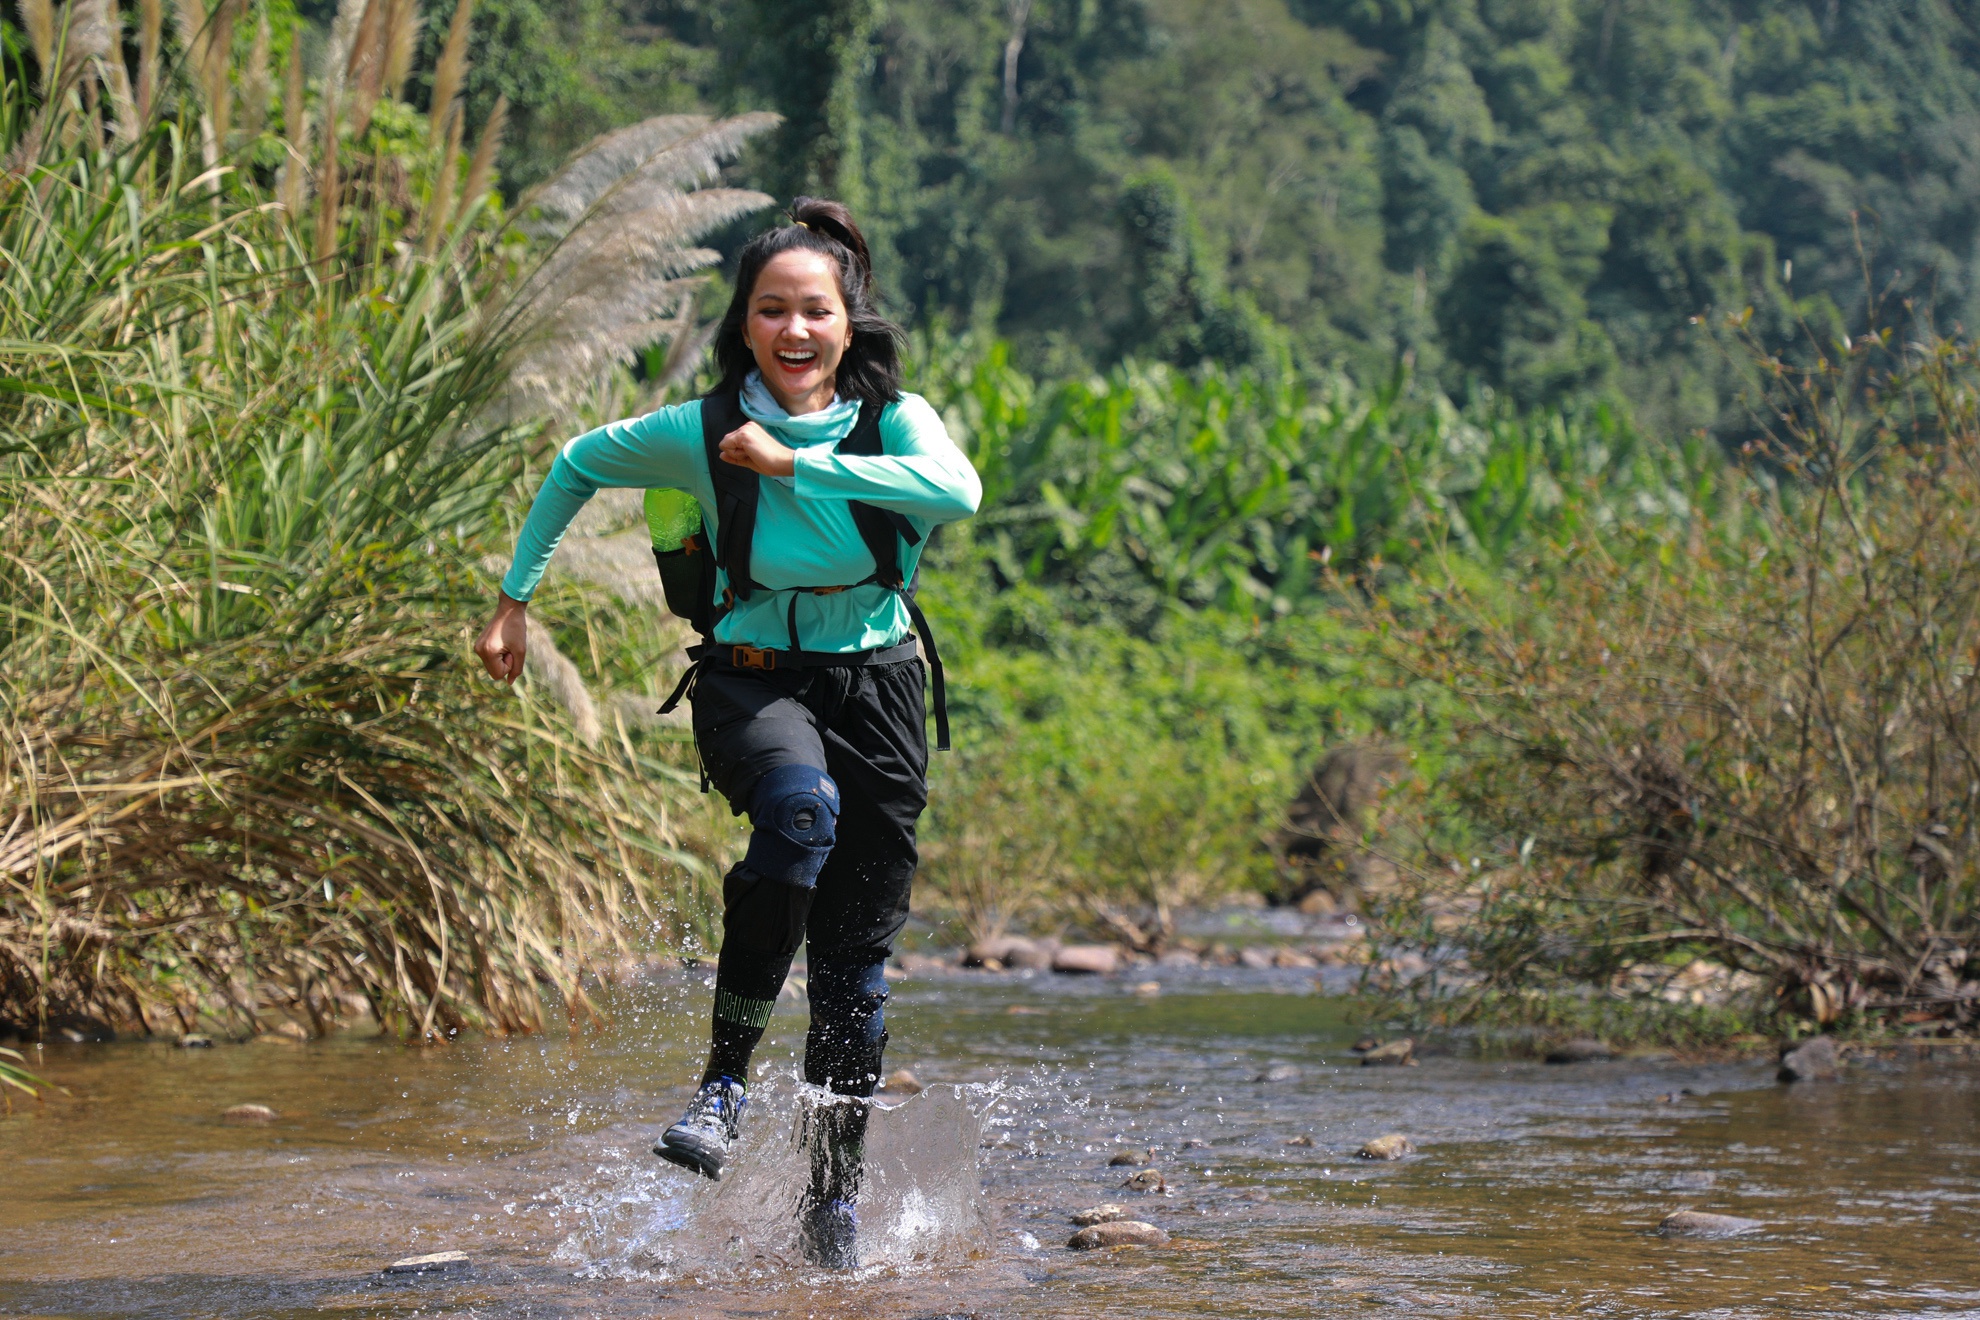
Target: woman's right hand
{"points": [[505, 640]]}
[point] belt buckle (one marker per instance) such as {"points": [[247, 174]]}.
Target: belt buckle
{"points": [[752, 657]]}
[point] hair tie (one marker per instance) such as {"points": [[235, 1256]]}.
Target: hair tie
{"points": [[801, 224]]}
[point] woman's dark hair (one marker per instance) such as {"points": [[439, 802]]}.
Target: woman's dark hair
{"points": [[871, 369]]}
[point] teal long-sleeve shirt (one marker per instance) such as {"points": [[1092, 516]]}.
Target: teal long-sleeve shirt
{"points": [[805, 535]]}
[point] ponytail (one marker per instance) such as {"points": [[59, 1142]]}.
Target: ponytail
{"points": [[870, 371]]}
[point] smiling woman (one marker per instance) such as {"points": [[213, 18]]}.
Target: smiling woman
{"points": [[818, 482]]}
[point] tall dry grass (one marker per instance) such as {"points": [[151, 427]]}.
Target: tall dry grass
{"points": [[254, 442]]}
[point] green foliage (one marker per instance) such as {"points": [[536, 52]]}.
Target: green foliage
{"points": [[1152, 487]]}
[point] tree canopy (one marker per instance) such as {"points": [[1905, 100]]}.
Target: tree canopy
{"points": [[1549, 199]]}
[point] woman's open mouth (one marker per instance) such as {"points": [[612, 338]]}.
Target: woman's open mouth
{"points": [[796, 361]]}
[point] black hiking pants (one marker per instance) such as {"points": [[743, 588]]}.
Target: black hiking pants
{"points": [[864, 727]]}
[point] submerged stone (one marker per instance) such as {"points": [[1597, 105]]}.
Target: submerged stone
{"points": [[1126, 1158], [902, 1082], [1118, 1233], [1301, 1140], [1147, 1180], [1391, 1053], [1099, 1214], [1702, 1224], [439, 1260], [1811, 1061], [1391, 1147], [1280, 1072], [249, 1114]]}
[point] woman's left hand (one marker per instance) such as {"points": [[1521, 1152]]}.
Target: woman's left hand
{"points": [[750, 446]]}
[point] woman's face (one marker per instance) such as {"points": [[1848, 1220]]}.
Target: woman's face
{"points": [[797, 328]]}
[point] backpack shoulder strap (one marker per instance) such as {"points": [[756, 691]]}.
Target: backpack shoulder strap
{"points": [[735, 492], [883, 530]]}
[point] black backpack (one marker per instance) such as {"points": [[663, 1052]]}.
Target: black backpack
{"points": [[687, 574]]}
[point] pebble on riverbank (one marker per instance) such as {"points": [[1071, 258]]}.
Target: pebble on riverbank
{"points": [[1394, 1053], [1148, 1180], [1087, 960], [1131, 1159], [1811, 1061], [1013, 951], [439, 1260], [1098, 1214], [249, 1114], [1391, 1147], [1118, 1233], [1702, 1224]]}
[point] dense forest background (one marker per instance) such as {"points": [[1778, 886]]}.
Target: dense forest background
{"points": [[1546, 199]]}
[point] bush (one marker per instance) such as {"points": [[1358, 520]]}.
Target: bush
{"points": [[1751, 738]]}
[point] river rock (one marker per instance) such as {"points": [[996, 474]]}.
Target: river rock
{"points": [[1178, 958], [1255, 958], [1365, 1044], [249, 1114], [1099, 1214], [1691, 1180], [1702, 1224], [1195, 1143], [1087, 960], [1811, 1061], [1148, 989], [1147, 1180], [902, 1082], [1131, 1159], [439, 1260], [921, 964], [1301, 1140], [1118, 1233], [1392, 1053], [1391, 1147], [1279, 1072], [1580, 1051], [193, 1041], [1010, 951]]}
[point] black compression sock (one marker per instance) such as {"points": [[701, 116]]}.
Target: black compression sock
{"points": [[739, 1024]]}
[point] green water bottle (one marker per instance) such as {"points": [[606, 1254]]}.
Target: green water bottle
{"points": [[672, 516]]}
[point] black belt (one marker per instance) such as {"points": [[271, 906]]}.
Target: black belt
{"points": [[766, 660], [753, 657]]}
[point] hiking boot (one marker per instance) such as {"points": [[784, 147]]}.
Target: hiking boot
{"points": [[829, 1231], [835, 1139], [701, 1141]]}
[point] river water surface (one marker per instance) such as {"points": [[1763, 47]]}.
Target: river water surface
{"points": [[1535, 1191]]}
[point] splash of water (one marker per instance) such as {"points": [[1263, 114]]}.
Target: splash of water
{"points": [[921, 1202]]}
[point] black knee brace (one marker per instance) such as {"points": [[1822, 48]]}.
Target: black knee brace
{"points": [[767, 895]]}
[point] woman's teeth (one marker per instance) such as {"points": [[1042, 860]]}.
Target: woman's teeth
{"points": [[797, 359]]}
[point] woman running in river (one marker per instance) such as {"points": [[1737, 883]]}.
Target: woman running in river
{"points": [[818, 482]]}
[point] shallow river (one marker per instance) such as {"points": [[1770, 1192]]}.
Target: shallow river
{"points": [[1535, 1190]]}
